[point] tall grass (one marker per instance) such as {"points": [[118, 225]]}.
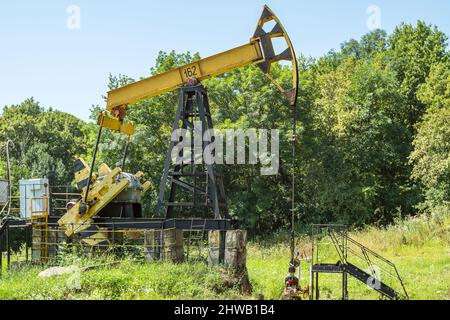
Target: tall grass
{"points": [[128, 280], [418, 246], [431, 226]]}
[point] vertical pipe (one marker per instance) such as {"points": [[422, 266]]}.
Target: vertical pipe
{"points": [[294, 139], [8, 168]]}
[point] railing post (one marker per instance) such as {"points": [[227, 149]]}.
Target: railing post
{"points": [[317, 286], [344, 273], [26, 242], [8, 251], [113, 240]]}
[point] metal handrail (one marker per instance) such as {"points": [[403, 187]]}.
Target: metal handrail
{"points": [[366, 250], [385, 270], [336, 245]]}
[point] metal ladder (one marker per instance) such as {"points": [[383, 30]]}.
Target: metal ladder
{"points": [[196, 236], [39, 222]]}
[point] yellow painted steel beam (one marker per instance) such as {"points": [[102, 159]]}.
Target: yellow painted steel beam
{"points": [[168, 81], [102, 192], [125, 127], [260, 51]]}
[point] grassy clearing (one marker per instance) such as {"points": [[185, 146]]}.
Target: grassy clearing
{"points": [[425, 270], [129, 280], [419, 248]]}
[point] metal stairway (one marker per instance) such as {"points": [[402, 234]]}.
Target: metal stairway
{"points": [[350, 249], [364, 277]]}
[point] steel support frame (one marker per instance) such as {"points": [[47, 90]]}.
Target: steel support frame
{"points": [[161, 223], [193, 105], [153, 223], [222, 225]]}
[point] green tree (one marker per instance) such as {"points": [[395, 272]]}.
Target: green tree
{"points": [[413, 50], [355, 149], [372, 121], [431, 156], [370, 45], [46, 141]]}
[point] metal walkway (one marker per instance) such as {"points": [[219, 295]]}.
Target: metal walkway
{"points": [[358, 261]]}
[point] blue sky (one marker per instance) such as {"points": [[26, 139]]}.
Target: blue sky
{"points": [[68, 69]]}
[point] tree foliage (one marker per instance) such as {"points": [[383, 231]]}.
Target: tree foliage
{"points": [[373, 121], [413, 51], [431, 156], [46, 141]]}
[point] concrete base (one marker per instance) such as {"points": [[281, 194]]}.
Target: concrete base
{"points": [[152, 245], [164, 245], [231, 250], [173, 245], [45, 243], [236, 249], [215, 246], [233, 246], [37, 238]]}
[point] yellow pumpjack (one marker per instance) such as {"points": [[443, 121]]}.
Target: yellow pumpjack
{"points": [[96, 193], [259, 51]]}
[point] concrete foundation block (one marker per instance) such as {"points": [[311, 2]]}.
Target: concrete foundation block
{"points": [[233, 246], [173, 245], [52, 242], [45, 242], [236, 249], [37, 238], [152, 245], [214, 246]]}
